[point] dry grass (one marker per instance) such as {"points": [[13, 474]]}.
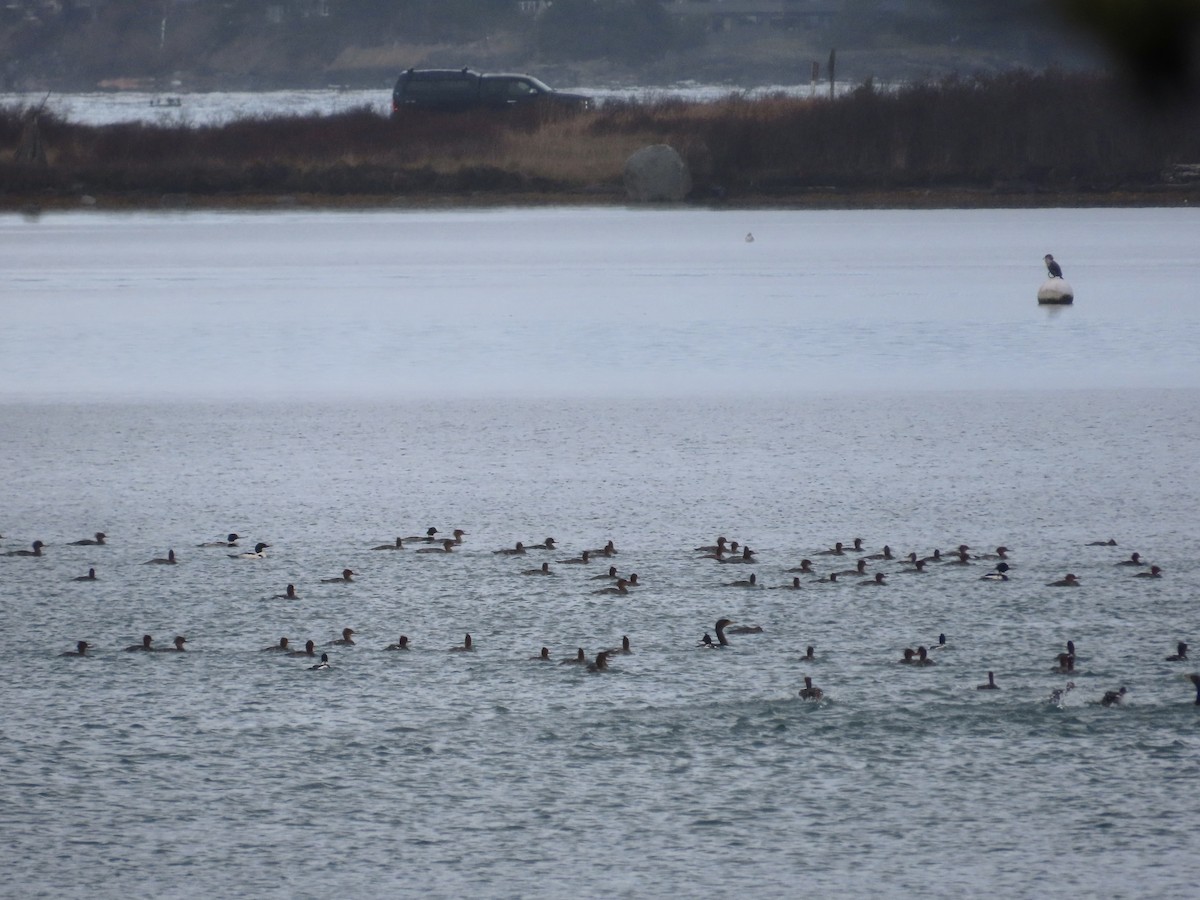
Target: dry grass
{"points": [[1036, 133]]}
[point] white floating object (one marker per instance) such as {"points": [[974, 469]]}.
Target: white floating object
{"points": [[1056, 291]]}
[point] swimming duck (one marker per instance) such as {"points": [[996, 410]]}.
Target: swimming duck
{"points": [[909, 655], [751, 582], [860, 569], [577, 660], [428, 537], [623, 650], [608, 549], [810, 654], [1195, 677], [290, 593], [178, 648], [231, 540], [518, 550], [90, 576], [466, 645], [805, 568], [582, 559], [323, 664], [1001, 554], [144, 646], [923, 658], [1067, 580], [1135, 559], [169, 560], [36, 551], [281, 647], [746, 557], [918, 568], [600, 664], [543, 569], [81, 649], [310, 649], [399, 545], [1180, 654], [611, 573], [873, 582], [886, 554], [91, 542], [622, 588], [347, 577], [257, 553], [547, 544], [794, 586], [719, 547], [997, 574], [401, 644], [447, 547], [346, 640], [836, 550], [544, 656], [1111, 542], [991, 684], [1155, 572], [1114, 698], [1059, 694], [810, 691]]}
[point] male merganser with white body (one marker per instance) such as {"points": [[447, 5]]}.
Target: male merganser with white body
{"points": [[323, 664], [998, 574], [428, 537], [257, 553]]}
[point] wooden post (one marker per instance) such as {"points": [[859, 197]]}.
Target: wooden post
{"points": [[832, 63]]}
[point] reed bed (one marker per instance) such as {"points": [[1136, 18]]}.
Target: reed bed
{"points": [[1022, 132]]}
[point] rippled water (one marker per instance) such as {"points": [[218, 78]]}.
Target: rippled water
{"points": [[226, 770]]}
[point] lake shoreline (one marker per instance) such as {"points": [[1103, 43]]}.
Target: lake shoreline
{"points": [[932, 198]]}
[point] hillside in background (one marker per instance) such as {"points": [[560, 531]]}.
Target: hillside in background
{"points": [[247, 44]]}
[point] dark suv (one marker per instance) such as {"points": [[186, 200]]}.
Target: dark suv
{"points": [[459, 89]]}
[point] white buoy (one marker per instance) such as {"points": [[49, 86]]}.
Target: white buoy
{"points": [[1056, 291]]}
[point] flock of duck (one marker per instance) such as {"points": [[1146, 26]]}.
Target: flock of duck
{"points": [[723, 551]]}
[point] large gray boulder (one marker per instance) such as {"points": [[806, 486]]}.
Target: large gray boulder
{"points": [[657, 174]]}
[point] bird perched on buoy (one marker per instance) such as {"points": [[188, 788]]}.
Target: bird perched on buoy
{"points": [[1053, 269]]}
